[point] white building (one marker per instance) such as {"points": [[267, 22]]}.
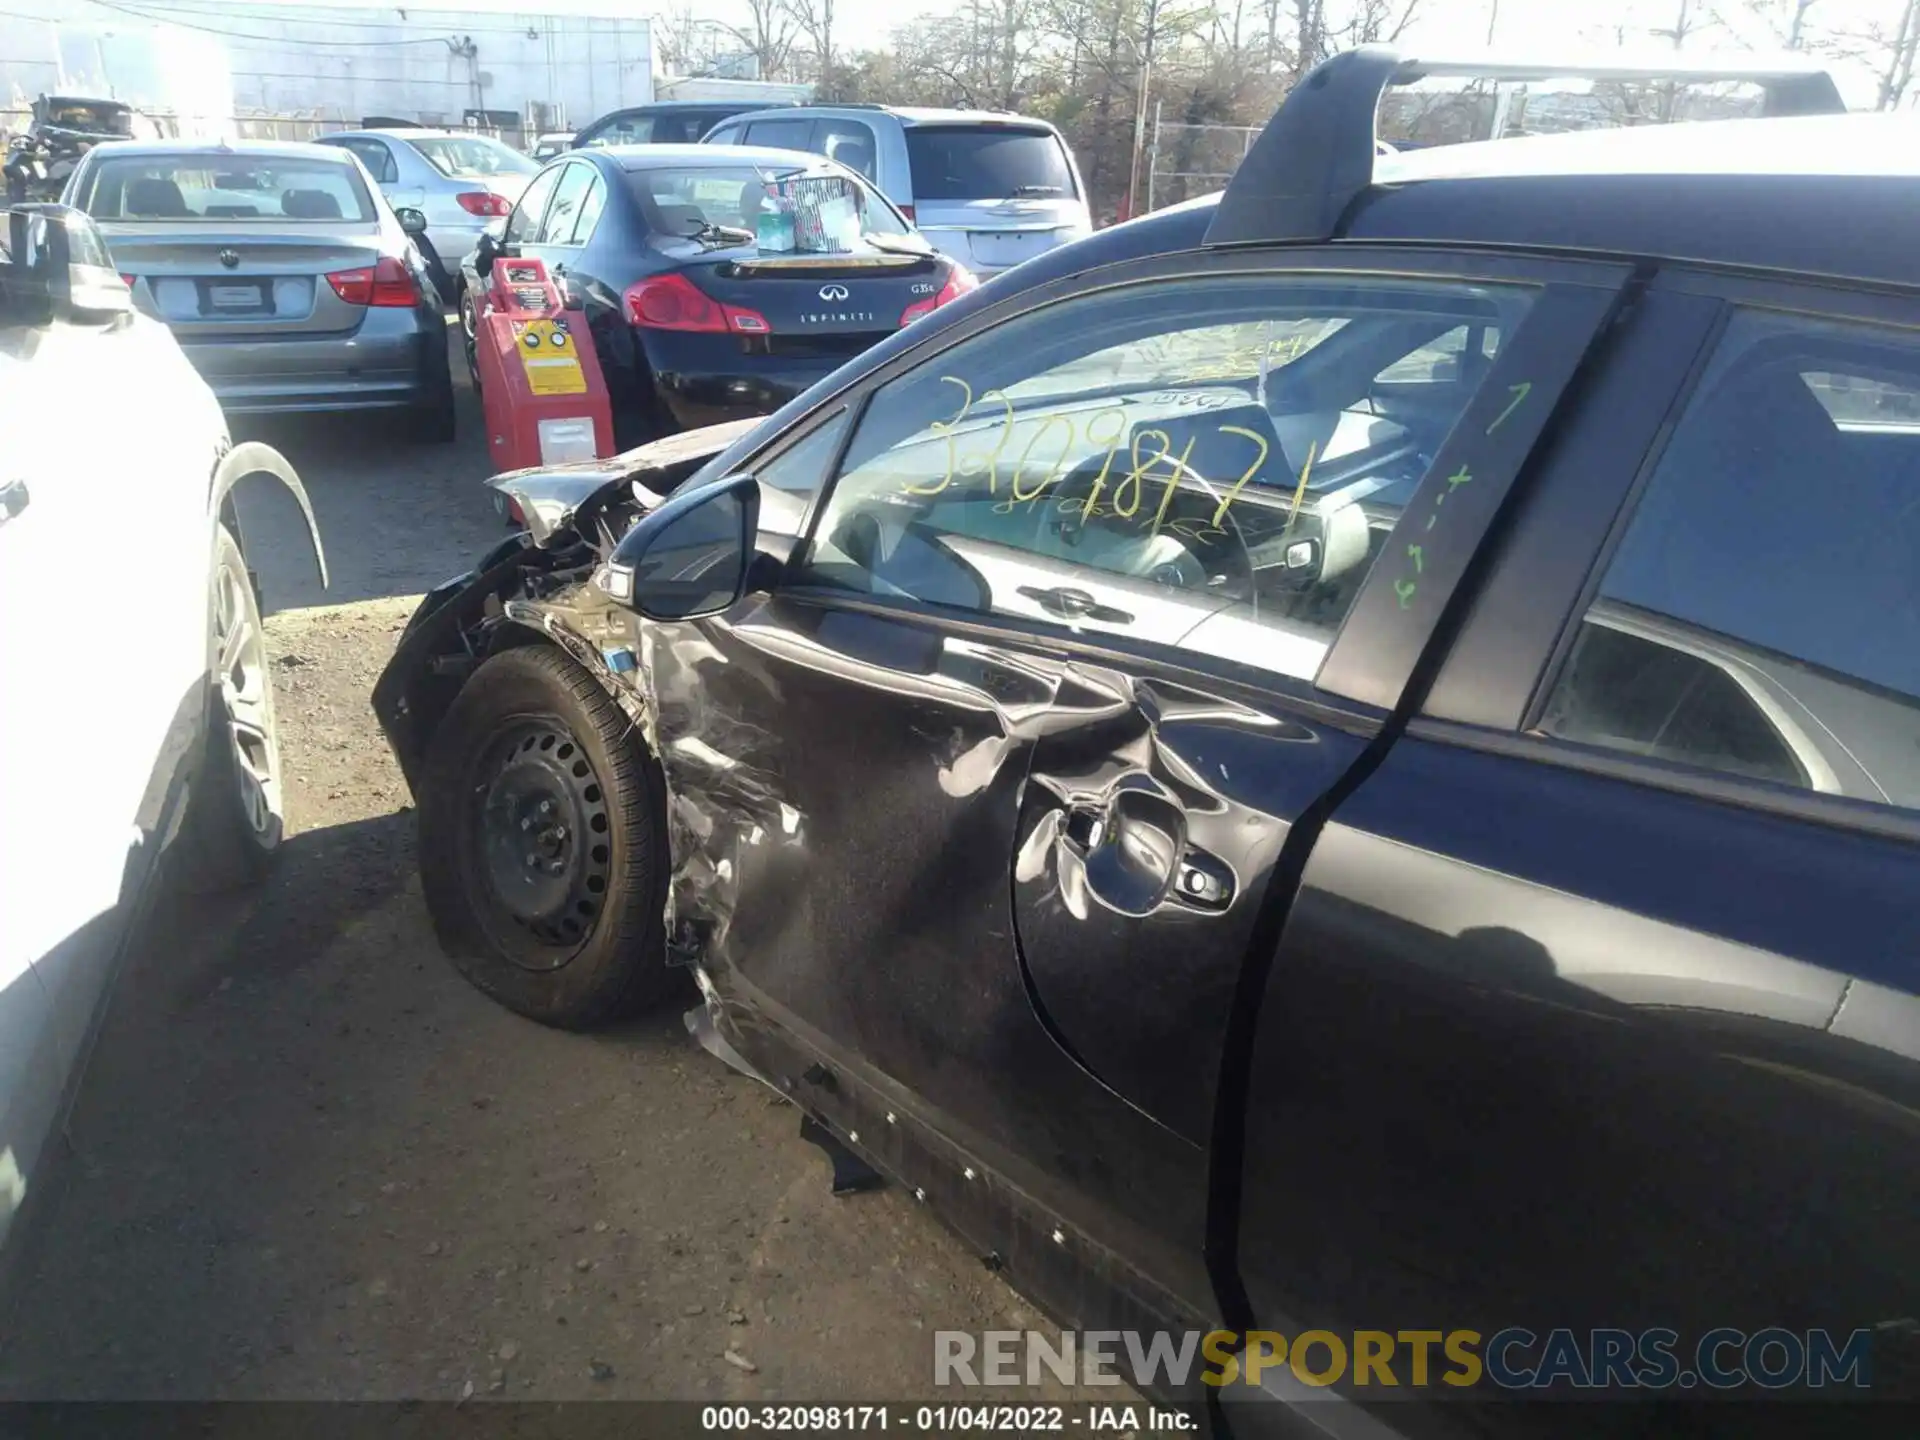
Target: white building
{"points": [[550, 64]]}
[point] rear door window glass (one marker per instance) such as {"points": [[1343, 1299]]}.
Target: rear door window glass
{"points": [[375, 155], [781, 134], [987, 162], [1761, 614], [622, 130], [568, 197], [848, 141]]}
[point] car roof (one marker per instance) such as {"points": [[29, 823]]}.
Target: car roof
{"points": [[1885, 146], [300, 148], [410, 132], [669, 157], [669, 106], [911, 115]]}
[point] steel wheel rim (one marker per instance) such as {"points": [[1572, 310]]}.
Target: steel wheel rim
{"points": [[543, 829], [246, 693]]}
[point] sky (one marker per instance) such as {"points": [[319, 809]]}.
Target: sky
{"points": [[1539, 27]]}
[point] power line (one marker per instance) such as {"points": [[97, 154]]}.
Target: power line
{"points": [[267, 39]]}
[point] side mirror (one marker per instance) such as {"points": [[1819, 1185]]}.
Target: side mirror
{"points": [[57, 258], [485, 251], [690, 557], [411, 221]]}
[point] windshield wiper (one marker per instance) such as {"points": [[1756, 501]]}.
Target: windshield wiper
{"points": [[1020, 190], [708, 233]]}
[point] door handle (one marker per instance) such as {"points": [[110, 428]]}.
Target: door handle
{"points": [[1135, 855], [1074, 605], [14, 498]]}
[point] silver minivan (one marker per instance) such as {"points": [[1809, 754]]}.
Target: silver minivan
{"points": [[987, 188]]}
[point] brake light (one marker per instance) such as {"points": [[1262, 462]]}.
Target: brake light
{"points": [[907, 210], [385, 284], [959, 281], [673, 302], [128, 280], [484, 202]]}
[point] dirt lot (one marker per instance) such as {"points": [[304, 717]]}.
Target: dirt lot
{"points": [[309, 1162]]}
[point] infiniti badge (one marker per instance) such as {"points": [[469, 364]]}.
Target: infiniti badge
{"points": [[831, 293]]}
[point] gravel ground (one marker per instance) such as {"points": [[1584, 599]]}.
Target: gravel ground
{"points": [[308, 1161]]}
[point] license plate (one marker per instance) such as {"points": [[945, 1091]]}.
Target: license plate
{"points": [[235, 297]]}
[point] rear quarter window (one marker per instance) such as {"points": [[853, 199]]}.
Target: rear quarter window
{"points": [[987, 162]]}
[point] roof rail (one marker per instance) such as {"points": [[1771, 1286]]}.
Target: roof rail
{"points": [[1316, 155]]}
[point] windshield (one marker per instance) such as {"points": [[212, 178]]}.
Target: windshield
{"points": [[682, 200], [224, 188], [101, 117], [465, 157], [987, 162]]}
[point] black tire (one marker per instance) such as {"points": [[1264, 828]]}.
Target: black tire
{"points": [[566, 929], [469, 323], [235, 809]]}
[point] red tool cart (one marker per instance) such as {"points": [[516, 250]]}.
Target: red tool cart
{"points": [[546, 400]]}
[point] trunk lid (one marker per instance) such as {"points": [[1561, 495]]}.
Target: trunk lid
{"points": [[819, 305], [232, 283]]}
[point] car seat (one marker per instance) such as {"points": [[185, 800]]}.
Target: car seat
{"points": [[309, 205], [155, 197], [856, 155]]}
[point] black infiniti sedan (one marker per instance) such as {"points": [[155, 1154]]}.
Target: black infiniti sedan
{"points": [[1300, 767], [695, 319]]}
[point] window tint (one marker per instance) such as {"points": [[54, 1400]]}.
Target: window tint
{"points": [[781, 134], [1212, 465], [524, 223], [376, 157], [986, 162], [564, 213], [250, 188], [622, 130], [590, 207], [1761, 615], [790, 480], [472, 156], [849, 142]]}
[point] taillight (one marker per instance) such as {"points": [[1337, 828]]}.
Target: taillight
{"points": [[128, 280], [907, 210], [959, 281], [673, 302], [484, 202], [387, 283]]}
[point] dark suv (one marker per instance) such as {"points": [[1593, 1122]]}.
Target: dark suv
{"points": [[665, 122], [1340, 764]]}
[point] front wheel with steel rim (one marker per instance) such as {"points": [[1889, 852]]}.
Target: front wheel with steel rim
{"points": [[542, 848], [235, 808]]}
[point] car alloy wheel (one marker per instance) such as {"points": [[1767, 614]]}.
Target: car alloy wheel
{"points": [[246, 694], [545, 852]]}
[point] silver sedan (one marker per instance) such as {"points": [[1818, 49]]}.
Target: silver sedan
{"points": [[287, 282], [459, 181]]}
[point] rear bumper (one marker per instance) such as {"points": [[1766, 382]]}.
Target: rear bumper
{"points": [[705, 379], [394, 360]]}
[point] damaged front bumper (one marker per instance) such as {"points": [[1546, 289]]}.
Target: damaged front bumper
{"points": [[535, 584]]}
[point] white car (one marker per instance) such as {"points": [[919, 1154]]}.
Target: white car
{"points": [[138, 719]]}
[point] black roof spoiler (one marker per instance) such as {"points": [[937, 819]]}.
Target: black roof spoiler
{"points": [[1316, 155]]}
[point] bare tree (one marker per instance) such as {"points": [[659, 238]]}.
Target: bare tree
{"points": [[1897, 56], [814, 18], [768, 35]]}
